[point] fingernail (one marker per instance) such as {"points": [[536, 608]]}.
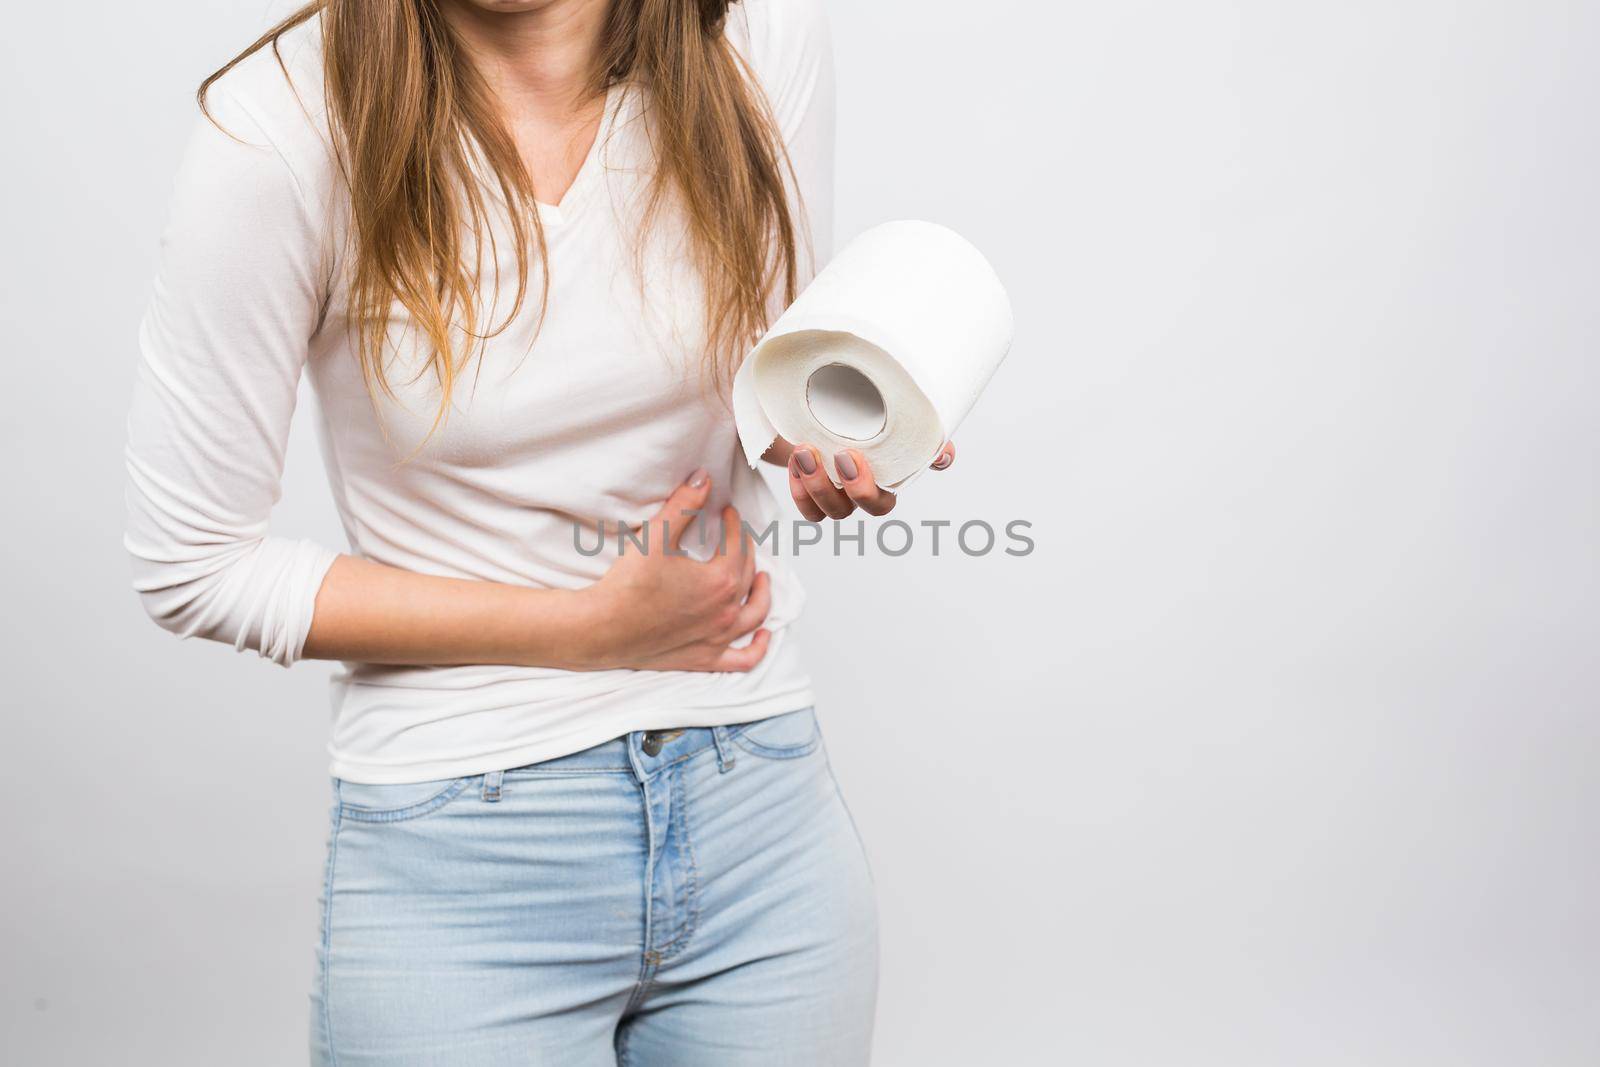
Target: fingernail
{"points": [[803, 460], [942, 462], [698, 478], [846, 465]]}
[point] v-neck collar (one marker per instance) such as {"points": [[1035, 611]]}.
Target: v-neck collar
{"points": [[588, 171], [558, 213]]}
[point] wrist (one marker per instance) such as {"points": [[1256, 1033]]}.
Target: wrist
{"points": [[586, 629]]}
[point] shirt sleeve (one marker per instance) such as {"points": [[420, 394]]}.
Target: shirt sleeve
{"points": [[222, 346], [789, 49]]}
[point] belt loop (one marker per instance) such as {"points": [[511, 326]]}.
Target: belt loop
{"points": [[724, 743], [491, 785]]}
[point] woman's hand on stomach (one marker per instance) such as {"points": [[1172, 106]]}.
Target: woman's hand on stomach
{"points": [[659, 609], [655, 609]]}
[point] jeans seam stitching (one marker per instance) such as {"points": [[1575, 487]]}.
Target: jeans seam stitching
{"points": [[530, 772], [861, 843], [327, 938], [356, 813], [756, 748], [692, 920], [642, 982]]}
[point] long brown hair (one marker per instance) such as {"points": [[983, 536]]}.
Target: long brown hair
{"points": [[408, 110]]}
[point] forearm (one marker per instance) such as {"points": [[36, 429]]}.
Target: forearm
{"points": [[370, 613]]}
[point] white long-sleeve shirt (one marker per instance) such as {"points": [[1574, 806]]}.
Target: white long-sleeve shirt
{"points": [[595, 420]]}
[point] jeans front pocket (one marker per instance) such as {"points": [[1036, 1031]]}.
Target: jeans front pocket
{"points": [[395, 803], [788, 736]]}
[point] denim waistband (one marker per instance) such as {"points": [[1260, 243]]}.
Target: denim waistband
{"points": [[631, 753]]}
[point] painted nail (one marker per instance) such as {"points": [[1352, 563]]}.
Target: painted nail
{"points": [[803, 460], [846, 465], [698, 478], [942, 462]]}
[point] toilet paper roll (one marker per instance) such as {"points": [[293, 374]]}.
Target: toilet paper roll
{"points": [[885, 352]]}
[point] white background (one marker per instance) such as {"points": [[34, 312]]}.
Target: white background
{"points": [[1281, 748]]}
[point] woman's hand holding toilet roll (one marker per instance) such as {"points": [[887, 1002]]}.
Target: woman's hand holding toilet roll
{"points": [[658, 609], [817, 497], [877, 361]]}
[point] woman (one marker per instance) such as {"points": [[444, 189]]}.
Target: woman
{"points": [[582, 814]]}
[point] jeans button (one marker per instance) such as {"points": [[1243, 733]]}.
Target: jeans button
{"points": [[652, 743]]}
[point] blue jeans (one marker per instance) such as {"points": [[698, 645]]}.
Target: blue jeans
{"points": [[695, 899]]}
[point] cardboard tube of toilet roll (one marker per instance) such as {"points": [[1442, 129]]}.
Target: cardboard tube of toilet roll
{"points": [[886, 351]]}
